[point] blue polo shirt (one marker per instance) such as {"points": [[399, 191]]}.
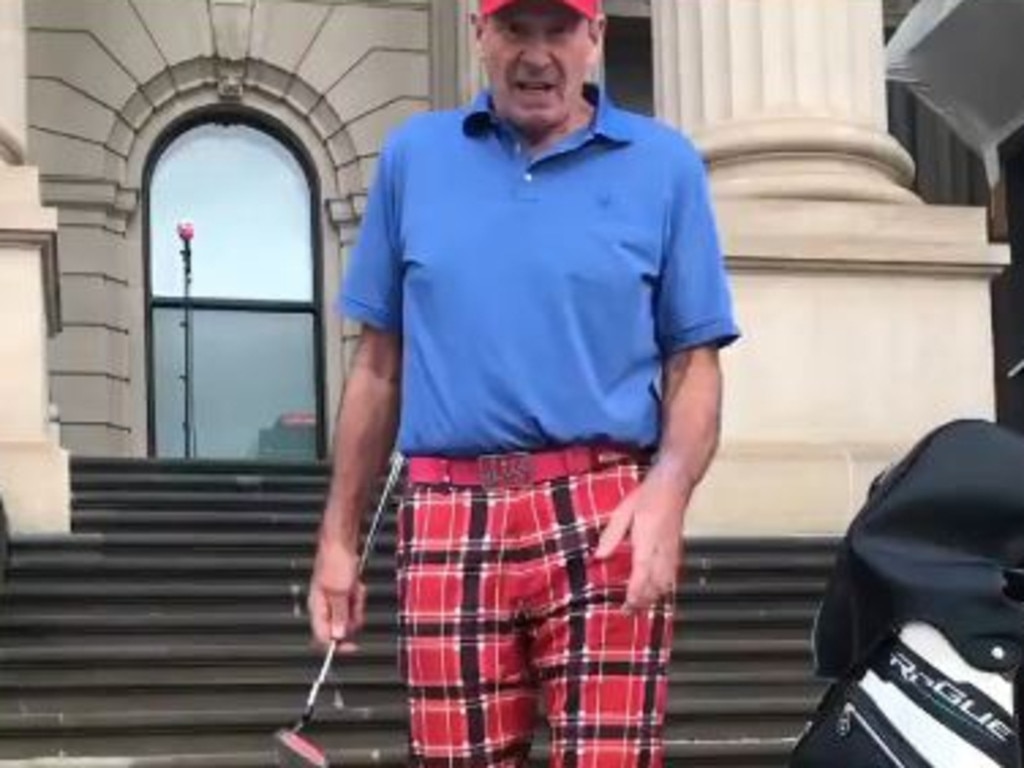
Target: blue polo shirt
{"points": [[537, 297]]}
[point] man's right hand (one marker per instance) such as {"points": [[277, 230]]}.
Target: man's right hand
{"points": [[337, 596]]}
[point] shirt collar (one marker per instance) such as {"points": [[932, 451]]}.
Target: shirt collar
{"points": [[609, 121]]}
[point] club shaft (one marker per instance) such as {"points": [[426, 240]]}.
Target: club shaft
{"points": [[371, 538]]}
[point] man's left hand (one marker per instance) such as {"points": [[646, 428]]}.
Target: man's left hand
{"points": [[652, 515]]}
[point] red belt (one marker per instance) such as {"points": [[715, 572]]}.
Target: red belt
{"points": [[512, 470]]}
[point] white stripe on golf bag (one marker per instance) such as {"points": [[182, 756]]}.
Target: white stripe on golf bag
{"points": [[937, 744], [931, 645]]}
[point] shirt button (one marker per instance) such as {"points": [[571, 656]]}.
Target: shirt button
{"points": [[528, 177]]}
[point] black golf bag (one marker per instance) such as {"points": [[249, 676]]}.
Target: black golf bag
{"points": [[922, 624]]}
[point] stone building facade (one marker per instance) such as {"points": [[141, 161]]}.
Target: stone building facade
{"points": [[865, 310]]}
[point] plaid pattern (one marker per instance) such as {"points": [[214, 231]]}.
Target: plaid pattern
{"points": [[501, 599]]}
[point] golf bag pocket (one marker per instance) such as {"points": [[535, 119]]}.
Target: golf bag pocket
{"points": [[915, 704]]}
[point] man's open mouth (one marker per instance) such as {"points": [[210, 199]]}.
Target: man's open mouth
{"points": [[534, 87]]}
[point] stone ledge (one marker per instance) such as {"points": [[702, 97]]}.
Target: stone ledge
{"points": [[32, 227], [27, 219], [808, 235], [761, 489], [24, 223], [19, 185]]}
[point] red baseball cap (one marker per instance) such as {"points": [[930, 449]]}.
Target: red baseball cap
{"points": [[589, 8]]}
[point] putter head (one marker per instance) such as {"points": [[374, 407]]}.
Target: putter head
{"points": [[293, 750]]}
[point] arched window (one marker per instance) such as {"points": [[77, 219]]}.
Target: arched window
{"points": [[234, 354]]}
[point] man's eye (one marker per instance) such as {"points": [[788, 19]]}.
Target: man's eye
{"points": [[514, 30]]}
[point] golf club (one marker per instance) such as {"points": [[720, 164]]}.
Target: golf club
{"points": [[292, 748]]}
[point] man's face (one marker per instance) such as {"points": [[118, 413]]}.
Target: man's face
{"points": [[538, 54]]}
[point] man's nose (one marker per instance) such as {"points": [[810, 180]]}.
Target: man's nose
{"points": [[535, 57]]}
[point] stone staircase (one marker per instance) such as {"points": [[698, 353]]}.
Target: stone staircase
{"points": [[169, 630]]}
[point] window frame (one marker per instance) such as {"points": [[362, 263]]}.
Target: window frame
{"points": [[237, 115]]}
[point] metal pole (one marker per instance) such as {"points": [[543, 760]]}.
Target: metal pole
{"points": [[185, 232]]}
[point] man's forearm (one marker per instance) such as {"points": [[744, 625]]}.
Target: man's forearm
{"points": [[365, 434], [691, 418]]}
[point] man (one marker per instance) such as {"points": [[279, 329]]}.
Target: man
{"points": [[543, 299]]}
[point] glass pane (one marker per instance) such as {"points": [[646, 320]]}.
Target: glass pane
{"points": [[629, 63], [250, 202], [254, 392]]}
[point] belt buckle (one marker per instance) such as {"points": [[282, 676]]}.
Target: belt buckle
{"points": [[505, 470]]}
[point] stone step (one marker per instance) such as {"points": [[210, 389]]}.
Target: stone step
{"points": [[127, 732], [54, 567], [169, 630], [88, 466], [765, 618], [220, 550], [706, 556], [703, 753], [360, 672], [239, 542], [238, 688], [91, 561], [94, 559], [142, 622], [292, 699], [299, 634], [234, 482], [256, 515], [290, 595], [163, 652], [139, 501]]}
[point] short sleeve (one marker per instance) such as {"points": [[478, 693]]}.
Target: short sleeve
{"points": [[694, 304], [371, 290]]}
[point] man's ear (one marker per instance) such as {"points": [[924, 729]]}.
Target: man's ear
{"points": [[477, 22], [596, 31]]}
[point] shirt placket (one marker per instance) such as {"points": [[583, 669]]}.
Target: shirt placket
{"points": [[526, 169], [530, 170]]}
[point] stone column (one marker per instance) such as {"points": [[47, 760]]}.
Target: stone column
{"points": [[456, 75], [866, 314], [33, 468], [785, 97], [12, 84], [471, 74]]}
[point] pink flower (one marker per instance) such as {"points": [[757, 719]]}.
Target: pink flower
{"points": [[186, 231]]}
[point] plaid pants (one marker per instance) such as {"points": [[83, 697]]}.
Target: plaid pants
{"points": [[502, 605]]}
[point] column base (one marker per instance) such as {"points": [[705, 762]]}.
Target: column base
{"points": [[34, 475], [806, 158], [35, 486], [865, 326]]}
